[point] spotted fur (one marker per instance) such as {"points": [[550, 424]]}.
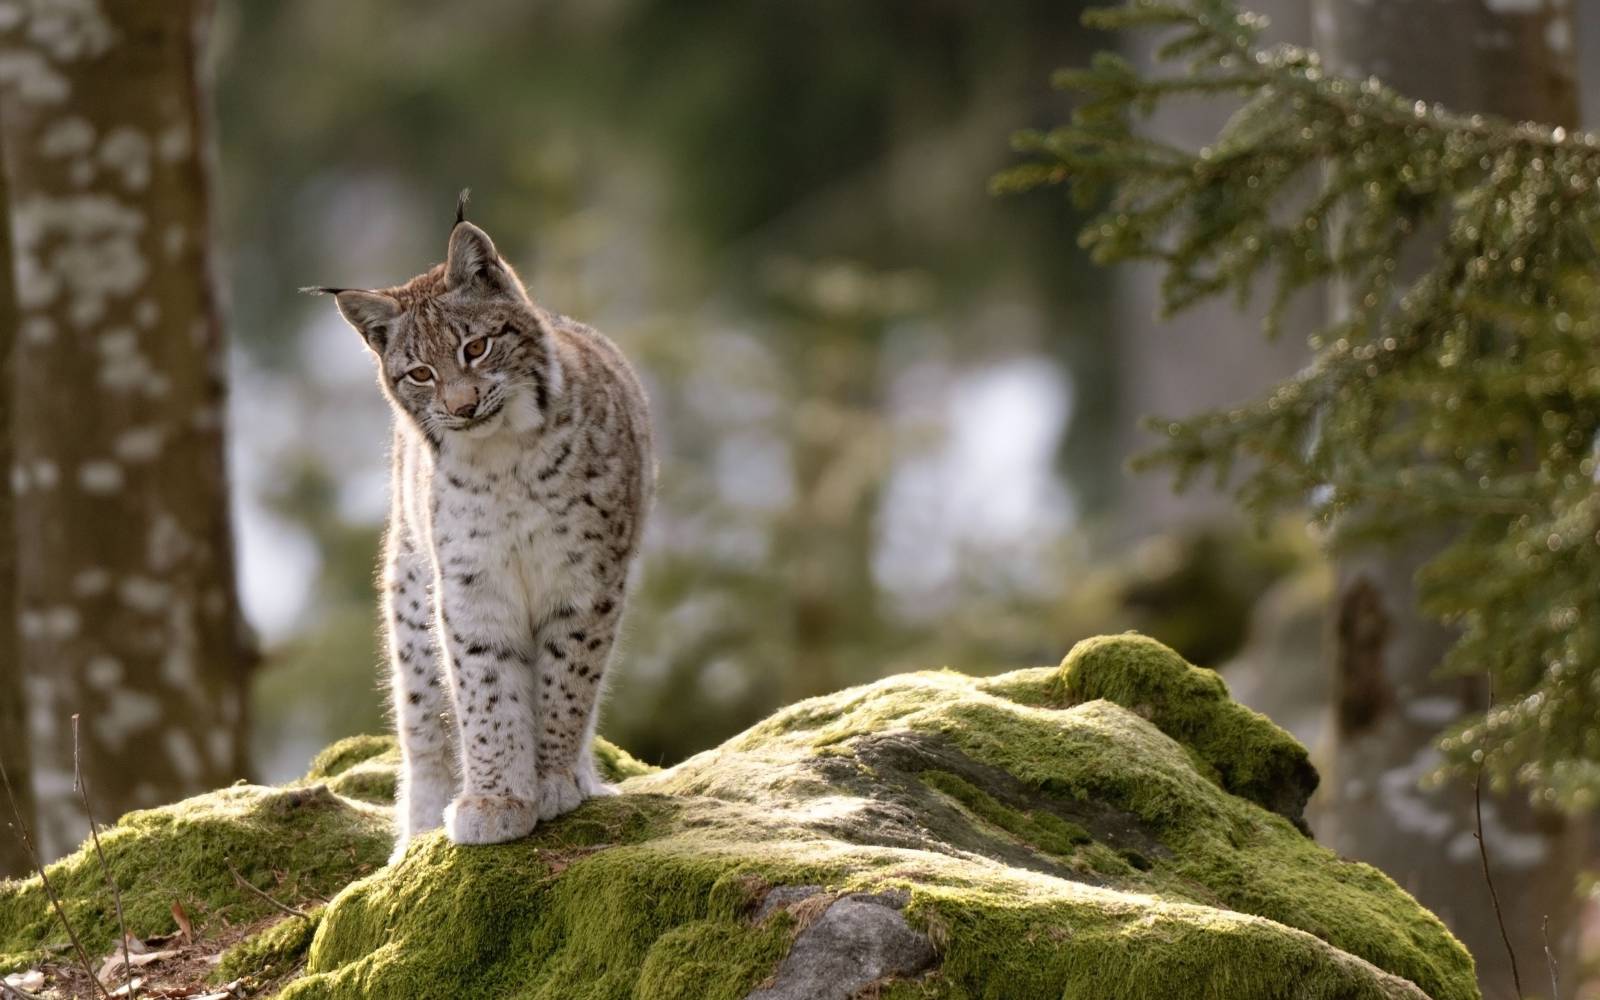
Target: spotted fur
{"points": [[522, 473]]}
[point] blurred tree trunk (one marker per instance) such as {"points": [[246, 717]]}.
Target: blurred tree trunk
{"points": [[1212, 359], [127, 607], [1515, 61], [13, 709]]}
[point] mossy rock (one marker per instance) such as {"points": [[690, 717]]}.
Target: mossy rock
{"points": [[927, 836], [1238, 748]]}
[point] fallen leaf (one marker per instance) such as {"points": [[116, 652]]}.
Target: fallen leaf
{"points": [[184, 926], [31, 980], [112, 968], [124, 989]]}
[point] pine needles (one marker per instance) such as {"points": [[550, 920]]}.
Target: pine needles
{"points": [[1466, 396]]}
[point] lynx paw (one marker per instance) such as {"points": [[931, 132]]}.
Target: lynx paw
{"points": [[564, 791], [489, 819]]}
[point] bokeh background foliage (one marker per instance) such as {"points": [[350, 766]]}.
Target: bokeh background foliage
{"points": [[780, 211]]}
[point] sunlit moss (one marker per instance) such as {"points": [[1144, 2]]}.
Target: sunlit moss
{"points": [[296, 844], [1048, 849]]}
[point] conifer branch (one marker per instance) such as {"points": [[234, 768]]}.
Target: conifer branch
{"points": [[1466, 394]]}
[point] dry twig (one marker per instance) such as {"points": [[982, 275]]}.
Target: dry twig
{"points": [[1483, 855], [244, 883], [82, 788], [1550, 960], [44, 879]]}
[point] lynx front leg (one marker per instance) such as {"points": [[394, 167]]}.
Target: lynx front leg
{"points": [[574, 648], [427, 772], [485, 639]]}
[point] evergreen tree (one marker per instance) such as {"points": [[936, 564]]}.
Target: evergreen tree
{"points": [[1461, 400]]}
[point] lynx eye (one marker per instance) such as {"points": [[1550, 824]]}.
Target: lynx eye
{"points": [[476, 348], [421, 373]]}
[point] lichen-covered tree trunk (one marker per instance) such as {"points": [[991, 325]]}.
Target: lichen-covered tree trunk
{"points": [[1513, 60], [13, 713], [127, 611]]}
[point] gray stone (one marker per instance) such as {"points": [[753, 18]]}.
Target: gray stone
{"points": [[860, 939]]}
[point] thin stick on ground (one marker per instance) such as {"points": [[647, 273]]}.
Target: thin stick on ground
{"points": [[82, 788], [1483, 855], [244, 883], [44, 880], [1550, 960]]}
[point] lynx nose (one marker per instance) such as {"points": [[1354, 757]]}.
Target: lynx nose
{"points": [[461, 401]]}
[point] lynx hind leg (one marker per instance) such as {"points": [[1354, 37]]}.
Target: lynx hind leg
{"points": [[427, 772], [574, 650]]}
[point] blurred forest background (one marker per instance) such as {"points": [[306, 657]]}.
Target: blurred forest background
{"points": [[894, 409]]}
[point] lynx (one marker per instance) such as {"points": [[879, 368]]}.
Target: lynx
{"points": [[522, 473]]}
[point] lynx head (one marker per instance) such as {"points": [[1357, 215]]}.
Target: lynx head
{"points": [[459, 347]]}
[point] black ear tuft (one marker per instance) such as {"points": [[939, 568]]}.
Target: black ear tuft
{"points": [[472, 256], [461, 205]]}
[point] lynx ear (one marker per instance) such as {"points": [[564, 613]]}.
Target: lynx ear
{"points": [[371, 313], [473, 258]]}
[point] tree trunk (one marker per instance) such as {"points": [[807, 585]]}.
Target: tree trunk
{"points": [[1515, 61], [1214, 357], [127, 607], [13, 712]]}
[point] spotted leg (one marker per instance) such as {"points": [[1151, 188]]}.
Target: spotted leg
{"points": [[427, 771], [485, 639], [573, 650]]}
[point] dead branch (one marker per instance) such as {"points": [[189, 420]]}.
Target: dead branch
{"points": [[1550, 959], [82, 789], [44, 879], [1483, 855], [244, 883]]}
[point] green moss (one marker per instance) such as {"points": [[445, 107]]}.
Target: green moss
{"points": [[347, 753], [617, 764], [712, 960], [1042, 830], [1252, 757], [1051, 844], [181, 853], [646, 916], [1039, 687], [1100, 945], [270, 954], [368, 781]]}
